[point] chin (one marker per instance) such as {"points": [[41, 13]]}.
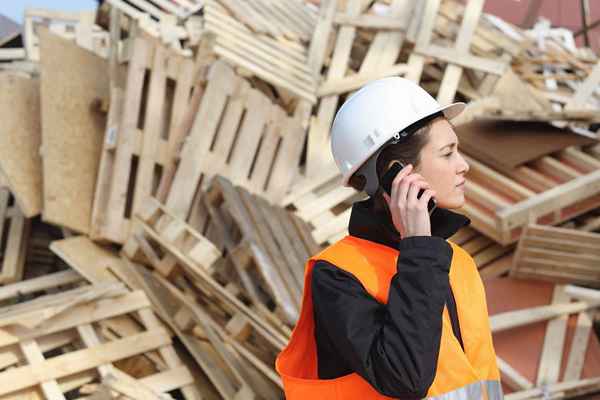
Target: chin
{"points": [[452, 203]]}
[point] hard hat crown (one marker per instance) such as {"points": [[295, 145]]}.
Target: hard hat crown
{"points": [[374, 114]]}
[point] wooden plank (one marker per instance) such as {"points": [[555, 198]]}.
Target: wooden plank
{"points": [[550, 361], [15, 251], [579, 347], [318, 153], [221, 84], [20, 138], [513, 319]]}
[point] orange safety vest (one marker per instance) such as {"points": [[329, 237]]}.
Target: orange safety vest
{"points": [[469, 374]]}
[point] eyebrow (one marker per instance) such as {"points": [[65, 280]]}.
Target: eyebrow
{"points": [[449, 145]]}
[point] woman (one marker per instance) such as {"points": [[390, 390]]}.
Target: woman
{"points": [[394, 310]]}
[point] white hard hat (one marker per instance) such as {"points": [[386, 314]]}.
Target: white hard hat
{"points": [[374, 115]]}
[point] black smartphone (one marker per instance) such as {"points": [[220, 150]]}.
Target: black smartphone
{"points": [[388, 178]]}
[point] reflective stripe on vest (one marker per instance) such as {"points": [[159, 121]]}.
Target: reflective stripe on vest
{"points": [[468, 374]]}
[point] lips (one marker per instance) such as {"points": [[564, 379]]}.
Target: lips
{"points": [[461, 185]]}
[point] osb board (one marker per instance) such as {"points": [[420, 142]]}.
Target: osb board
{"points": [[522, 347], [20, 138], [505, 145], [72, 80]]}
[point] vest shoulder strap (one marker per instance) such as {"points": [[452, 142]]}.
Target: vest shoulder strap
{"points": [[371, 263]]}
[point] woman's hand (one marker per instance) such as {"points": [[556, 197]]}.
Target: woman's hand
{"points": [[409, 213]]}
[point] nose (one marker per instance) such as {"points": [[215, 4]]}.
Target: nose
{"points": [[463, 165]]}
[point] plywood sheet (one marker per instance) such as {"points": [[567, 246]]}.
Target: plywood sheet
{"points": [[72, 80], [522, 347], [505, 145], [20, 140]]}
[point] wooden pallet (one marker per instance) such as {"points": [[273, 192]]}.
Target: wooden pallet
{"points": [[96, 264], [240, 134], [75, 314], [283, 64], [198, 306], [379, 61], [183, 260], [230, 343], [14, 237], [77, 26], [133, 155], [262, 238], [159, 10], [555, 188], [291, 20], [558, 255]]}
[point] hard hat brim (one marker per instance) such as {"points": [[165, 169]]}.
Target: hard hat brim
{"points": [[450, 111]]}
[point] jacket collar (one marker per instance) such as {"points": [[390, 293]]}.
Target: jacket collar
{"points": [[378, 227]]}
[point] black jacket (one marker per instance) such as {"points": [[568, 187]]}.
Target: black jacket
{"points": [[393, 346]]}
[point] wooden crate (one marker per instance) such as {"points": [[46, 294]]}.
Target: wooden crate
{"points": [[72, 318], [240, 134], [558, 255], [141, 135]]}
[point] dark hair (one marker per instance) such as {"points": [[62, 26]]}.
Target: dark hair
{"points": [[408, 151]]}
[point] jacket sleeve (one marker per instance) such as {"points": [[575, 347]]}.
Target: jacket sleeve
{"points": [[393, 346]]}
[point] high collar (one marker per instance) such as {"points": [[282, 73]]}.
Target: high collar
{"points": [[378, 227]]}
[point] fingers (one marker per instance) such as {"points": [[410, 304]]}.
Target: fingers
{"points": [[409, 188], [425, 197]]}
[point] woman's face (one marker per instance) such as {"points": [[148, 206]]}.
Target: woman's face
{"points": [[442, 165]]}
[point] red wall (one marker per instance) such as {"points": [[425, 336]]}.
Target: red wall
{"points": [[562, 13]]}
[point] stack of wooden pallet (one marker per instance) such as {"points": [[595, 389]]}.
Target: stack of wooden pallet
{"points": [[170, 159]]}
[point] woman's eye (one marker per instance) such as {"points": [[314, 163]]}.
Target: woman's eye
{"points": [[447, 155]]}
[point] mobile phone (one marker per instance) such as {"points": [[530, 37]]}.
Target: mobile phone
{"points": [[388, 178]]}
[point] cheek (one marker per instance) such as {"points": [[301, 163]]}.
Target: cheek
{"points": [[440, 178]]}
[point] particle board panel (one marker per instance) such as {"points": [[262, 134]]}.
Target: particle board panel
{"points": [[72, 129], [20, 138]]}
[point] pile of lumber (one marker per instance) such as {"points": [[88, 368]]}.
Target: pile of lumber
{"points": [[165, 173]]}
